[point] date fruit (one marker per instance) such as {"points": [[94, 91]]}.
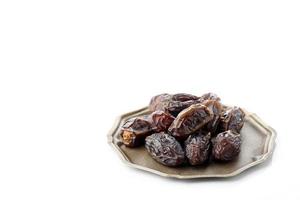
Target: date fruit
{"points": [[197, 148], [226, 146], [135, 130], [190, 120], [175, 107], [216, 107], [161, 121], [172, 104], [165, 149], [209, 96], [184, 97], [159, 102], [232, 119]]}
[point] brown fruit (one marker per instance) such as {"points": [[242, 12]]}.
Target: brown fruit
{"points": [[197, 148], [216, 107], [190, 120], [226, 146], [209, 96], [135, 130], [158, 102], [172, 104], [165, 149], [232, 119], [184, 97], [160, 121]]}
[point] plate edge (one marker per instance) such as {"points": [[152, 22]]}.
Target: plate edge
{"points": [[270, 149]]}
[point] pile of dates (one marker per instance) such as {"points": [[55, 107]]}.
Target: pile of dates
{"points": [[183, 128]]}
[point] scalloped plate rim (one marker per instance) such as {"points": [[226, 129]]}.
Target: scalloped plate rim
{"points": [[270, 145]]}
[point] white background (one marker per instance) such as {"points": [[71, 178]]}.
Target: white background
{"points": [[69, 68]]}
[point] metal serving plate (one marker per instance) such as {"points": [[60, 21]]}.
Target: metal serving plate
{"points": [[258, 144]]}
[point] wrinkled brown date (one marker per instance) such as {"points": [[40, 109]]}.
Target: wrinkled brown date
{"points": [[159, 102], [226, 146], [197, 148], [160, 121], [184, 97], [216, 107], [135, 130], [190, 120], [172, 104], [175, 107], [165, 149], [209, 96], [232, 119]]}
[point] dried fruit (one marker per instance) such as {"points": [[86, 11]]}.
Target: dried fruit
{"points": [[184, 97], [226, 146], [190, 120], [135, 130], [158, 102], [232, 119], [160, 121], [197, 148], [209, 96], [165, 149], [216, 107], [175, 107], [172, 104]]}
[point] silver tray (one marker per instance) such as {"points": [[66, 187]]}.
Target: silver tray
{"points": [[258, 145]]}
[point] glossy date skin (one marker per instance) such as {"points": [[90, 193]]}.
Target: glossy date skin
{"points": [[135, 130], [184, 97], [159, 102], [226, 146], [190, 120], [216, 107], [197, 148], [172, 104], [209, 96], [232, 119], [175, 107], [165, 149], [160, 121]]}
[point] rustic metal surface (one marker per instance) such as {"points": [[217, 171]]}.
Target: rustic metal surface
{"points": [[258, 145]]}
